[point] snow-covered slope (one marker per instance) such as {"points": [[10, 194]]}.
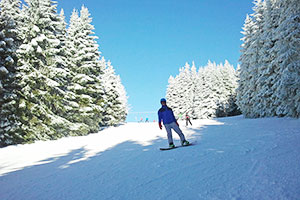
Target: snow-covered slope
{"points": [[234, 158]]}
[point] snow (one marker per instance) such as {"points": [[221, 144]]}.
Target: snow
{"points": [[234, 158], [52, 83], [9, 60], [3, 70], [2, 44], [36, 29], [82, 78]]}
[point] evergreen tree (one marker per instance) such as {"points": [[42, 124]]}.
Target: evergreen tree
{"points": [[250, 101], [184, 91], [65, 76], [51, 77], [269, 83], [115, 109], [63, 73], [123, 111], [220, 92], [229, 85], [193, 92], [41, 94], [9, 42], [181, 91], [268, 71], [288, 59], [199, 93], [172, 94], [86, 89], [209, 93], [246, 82], [256, 105]]}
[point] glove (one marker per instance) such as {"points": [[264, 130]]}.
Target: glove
{"points": [[160, 126]]}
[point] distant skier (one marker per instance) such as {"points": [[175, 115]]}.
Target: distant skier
{"points": [[166, 115], [187, 119], [180, 116]]}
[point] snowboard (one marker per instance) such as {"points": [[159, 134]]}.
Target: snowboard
{"points": [[169, 148]]}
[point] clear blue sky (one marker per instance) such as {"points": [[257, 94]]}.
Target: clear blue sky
{"points": [[149, 40]]}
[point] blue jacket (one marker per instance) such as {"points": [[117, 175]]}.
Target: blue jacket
{"points": [[166, 115]]}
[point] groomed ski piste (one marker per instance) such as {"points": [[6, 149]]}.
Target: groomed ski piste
{"points": [[234, 158]]}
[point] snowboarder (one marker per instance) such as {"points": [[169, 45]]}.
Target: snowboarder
{"points": [[166, 115], [187, 119]]}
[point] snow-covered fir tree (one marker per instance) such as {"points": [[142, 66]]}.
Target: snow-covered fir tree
{"points": [[194, 81], [228, 90], [210, 92], [65, 76], [269, 74], [86, 90], [184, 90], [246, 81], [255, 49], [123, 98], [267, 70], [288, 58], [41, 105], [181, 90], [172, 94], [115, 98], [52, 78], [9, 42], [199, 97], [62, 57]]}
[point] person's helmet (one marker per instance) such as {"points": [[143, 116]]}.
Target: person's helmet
{"points": [[163, 100]]}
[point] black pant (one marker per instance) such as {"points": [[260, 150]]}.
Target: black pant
{"points": [[188, 121]]}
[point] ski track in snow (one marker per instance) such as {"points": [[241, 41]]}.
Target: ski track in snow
{"points": [[234, 158]]}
